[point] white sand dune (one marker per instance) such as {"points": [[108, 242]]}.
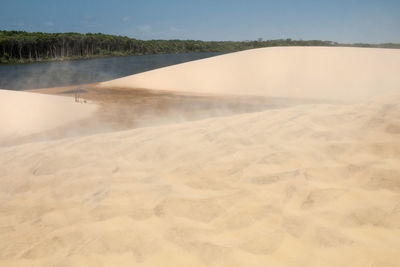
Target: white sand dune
{"points": [[309, 185], [344, 73], [23, 113]]}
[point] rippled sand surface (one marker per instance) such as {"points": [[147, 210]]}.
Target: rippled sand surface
{"points": [[310, 183]]}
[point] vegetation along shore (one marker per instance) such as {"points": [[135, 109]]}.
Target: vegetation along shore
{"points": [[26, 47]]}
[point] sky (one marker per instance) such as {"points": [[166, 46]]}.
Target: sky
{"points": [[347, 21]]}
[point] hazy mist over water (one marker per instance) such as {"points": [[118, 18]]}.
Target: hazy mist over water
{"points": [[63, 73]]}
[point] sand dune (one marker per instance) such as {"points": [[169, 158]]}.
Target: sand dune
{"points": [[23, 113], [311, 184], [347, 74]]}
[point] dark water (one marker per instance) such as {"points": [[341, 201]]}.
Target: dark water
{"points": [[52, 74]]}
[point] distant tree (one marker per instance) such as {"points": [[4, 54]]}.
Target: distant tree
{"points": [[21, 46]]}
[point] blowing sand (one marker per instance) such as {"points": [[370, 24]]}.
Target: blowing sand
{"points": [[310, 184], [345, 74]]}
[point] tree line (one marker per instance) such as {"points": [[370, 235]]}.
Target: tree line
{"points": [[22, 47]]}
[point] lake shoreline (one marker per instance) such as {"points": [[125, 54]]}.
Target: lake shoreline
{"points": [[67, 59], [50, 74]]}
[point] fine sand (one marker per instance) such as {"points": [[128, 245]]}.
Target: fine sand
{"points": [[224, 178], [341, 73], [23, 113]]}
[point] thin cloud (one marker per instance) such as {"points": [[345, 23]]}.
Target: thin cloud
{"points": [[90, 22], [145, 29], [174, 29], [49, 24]]}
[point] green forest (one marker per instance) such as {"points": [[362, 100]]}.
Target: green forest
{"points": [[25, 47]]}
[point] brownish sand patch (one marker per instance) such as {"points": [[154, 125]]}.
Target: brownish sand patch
{"points": [[127, 108]]}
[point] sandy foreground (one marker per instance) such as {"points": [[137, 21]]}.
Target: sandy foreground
{"points": [[309, 179]]}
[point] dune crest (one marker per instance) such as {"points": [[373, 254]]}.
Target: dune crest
{"points": [[334, 73]]}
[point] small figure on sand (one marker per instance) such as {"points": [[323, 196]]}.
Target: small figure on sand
{"points": [[76, 94]]}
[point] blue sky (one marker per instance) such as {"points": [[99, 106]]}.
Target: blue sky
{"points": [[343, 21]]}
